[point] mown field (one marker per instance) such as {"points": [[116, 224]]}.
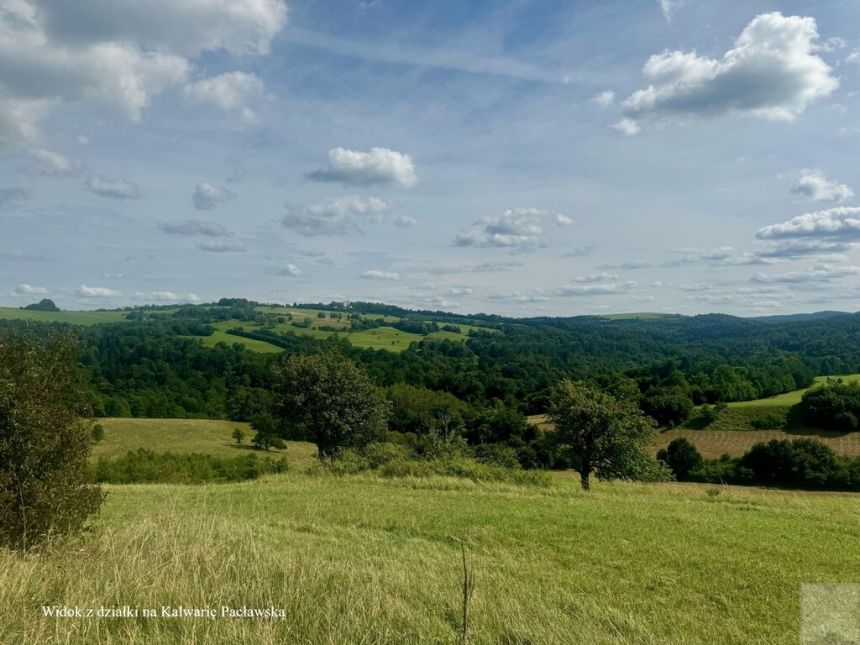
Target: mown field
{"points": [[715, 443], [205, 436], [362, 560]]}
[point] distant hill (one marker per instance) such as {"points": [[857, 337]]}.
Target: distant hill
{"points": [[818, 315]]}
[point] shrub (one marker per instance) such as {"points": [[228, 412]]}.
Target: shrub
{"points": [[391, 460], [97, 433], [835, 406], [44, 446], [147, 466], [681, 457]]}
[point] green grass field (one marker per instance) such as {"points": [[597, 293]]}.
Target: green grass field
{"points": [[71, 317], [365, 560], [791, 398], [362, 560], [207, 436]]}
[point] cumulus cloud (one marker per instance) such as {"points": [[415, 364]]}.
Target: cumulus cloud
{"points": [[516, 228], [230, 92], [221, 246], [772, 71], [813, 185], [194, 227], [376, 274], [289, 270], [335, 216], [114, 54], [166, 296], [96, 292], [840, 224], [604, 98], [112, 188], [11, 196], [379, 166], [208, 196], [25, 289]]}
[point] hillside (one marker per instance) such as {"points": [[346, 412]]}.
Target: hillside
{"points": [[609, 566]]}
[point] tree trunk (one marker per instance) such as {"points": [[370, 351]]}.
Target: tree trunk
{"points": [[583, 478]]}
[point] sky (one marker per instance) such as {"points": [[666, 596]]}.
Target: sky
{"points": [[513, 157]]}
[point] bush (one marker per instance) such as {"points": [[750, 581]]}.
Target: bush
{"points": [[146, 466], [834, 406], [805, 462], [681, 457], [44, 446], [391, 460], [97, 433]]}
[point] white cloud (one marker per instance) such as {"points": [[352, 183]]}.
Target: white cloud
{"points": [[166, 296], [114, 54], [604, 98], [240, 27], [813, 185], [113, 188], [230, 92], [194, 227], [376, 274], [816, 274], [517, 297], [54, 163], [771, 72], [841, 224], [221, 246], [290, 270], [668, 7], [25, 289], [627, 126], [379, 166], [595, 289], [592, 278], [335, 216], [96, 292], [207, 196], [406, 221], [519, 228]]}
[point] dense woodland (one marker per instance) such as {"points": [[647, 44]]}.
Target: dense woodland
{"points": [[154, 365]]}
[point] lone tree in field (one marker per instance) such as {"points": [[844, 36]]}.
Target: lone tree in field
{"points": [[238, 435], [44, 445], [600, 434], [328, 399]]}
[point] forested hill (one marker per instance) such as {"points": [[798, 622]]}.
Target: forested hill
{"points": [[213, 360]]}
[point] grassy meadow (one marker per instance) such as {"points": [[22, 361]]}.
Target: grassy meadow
{"points": [[71, 317], [791, 398], [207, 436], [363, 560]]}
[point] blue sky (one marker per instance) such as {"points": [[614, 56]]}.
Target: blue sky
{"points": [[525, 158]]}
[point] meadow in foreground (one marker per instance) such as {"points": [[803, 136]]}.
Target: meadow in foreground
{"points": [[364, 560]]}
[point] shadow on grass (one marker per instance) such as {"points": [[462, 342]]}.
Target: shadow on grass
{"points": [[270, 451]]}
